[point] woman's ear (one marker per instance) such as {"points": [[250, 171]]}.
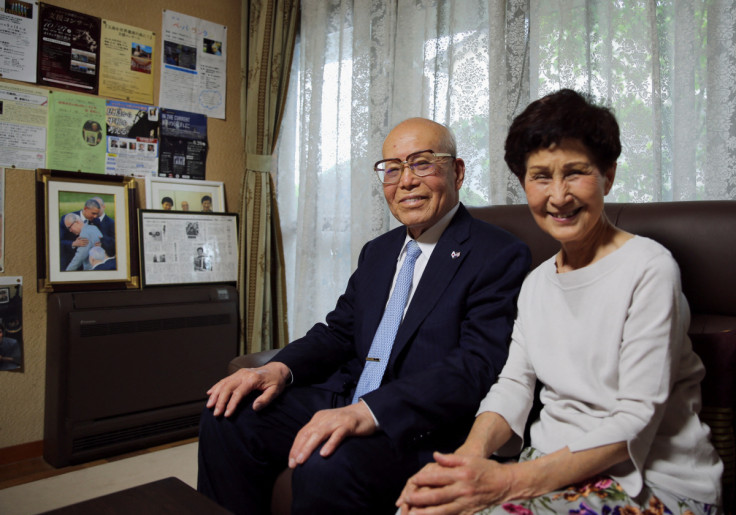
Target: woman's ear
{"points": [[610, 176]]}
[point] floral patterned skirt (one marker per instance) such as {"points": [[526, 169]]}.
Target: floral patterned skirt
{"points": [[601, 496]]}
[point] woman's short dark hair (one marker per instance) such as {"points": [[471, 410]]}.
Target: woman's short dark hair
{"points": [[558, 116]]}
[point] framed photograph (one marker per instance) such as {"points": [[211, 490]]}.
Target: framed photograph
{"points": [[185, 195], [86, 231], [188, 248]]}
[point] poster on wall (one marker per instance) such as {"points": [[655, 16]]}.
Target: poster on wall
{"points": [[2, 219], [68, 49], [132, 139], [23, 118], [76, 135], [193, 65], [18, 40], [11, 324], [126, 62], [183, 148]]}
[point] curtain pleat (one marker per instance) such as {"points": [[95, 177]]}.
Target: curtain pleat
{"points": [[269, 29]]}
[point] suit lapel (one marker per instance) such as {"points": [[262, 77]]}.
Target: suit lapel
{"points": [[447, 258]]}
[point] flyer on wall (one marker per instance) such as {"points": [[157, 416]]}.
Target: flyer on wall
{"points": [[132, 139], [126, 62], [2, 219], [23, 118], [18, 40], [68, 49], [76, 137], [193, 65], [183, 148], [11, 324]]}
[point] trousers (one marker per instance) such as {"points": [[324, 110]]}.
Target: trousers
{"points": [[241, 456]]}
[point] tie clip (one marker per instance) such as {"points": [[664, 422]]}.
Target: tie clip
{"points": [[372, 359]]}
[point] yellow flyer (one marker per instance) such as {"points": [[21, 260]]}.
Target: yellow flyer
{"points": [[126, 62]]}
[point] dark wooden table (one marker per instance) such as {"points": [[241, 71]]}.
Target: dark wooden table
{"points": [[166, 496]]}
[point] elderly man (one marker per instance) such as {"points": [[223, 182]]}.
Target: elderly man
{"points": [[70, 241], [398, 370], [103, 257], [86, 232]]}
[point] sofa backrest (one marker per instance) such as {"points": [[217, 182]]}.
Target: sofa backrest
{"points": [[701, 235]]}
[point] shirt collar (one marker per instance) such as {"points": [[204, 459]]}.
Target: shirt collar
{"points": [[431, 236]]}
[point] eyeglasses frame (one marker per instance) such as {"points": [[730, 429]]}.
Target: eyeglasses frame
{"points": [[402, 164]]}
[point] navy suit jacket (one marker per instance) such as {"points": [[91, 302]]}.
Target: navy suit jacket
{"points": [[110, 264], [452, 342], [107, 227]]}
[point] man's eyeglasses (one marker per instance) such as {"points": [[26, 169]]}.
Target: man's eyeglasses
{"points": [[421, 164]]}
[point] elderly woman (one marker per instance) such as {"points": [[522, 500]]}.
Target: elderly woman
{"points": [[603, 326]]}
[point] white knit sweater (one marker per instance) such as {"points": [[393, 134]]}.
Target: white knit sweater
{"points": [[609, 342]]}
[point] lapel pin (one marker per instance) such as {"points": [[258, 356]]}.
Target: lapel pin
{"points": [[455, 254]]}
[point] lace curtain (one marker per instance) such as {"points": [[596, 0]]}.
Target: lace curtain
{"points": [[361, 66]]}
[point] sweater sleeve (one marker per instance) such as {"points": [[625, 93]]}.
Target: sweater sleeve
{"points": [[78, 260], [512, 396]]}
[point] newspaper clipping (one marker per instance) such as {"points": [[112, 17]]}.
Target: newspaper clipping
{"points": [[183, 248]]}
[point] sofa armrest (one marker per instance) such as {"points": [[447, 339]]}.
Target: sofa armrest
{"points": [[253, 360]]}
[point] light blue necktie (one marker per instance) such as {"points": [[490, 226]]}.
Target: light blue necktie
{"points": [[380, 351]]}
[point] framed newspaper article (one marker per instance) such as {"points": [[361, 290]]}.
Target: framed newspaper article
{"points": [[187, 247]]}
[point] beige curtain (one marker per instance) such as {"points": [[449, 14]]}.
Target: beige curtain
{"points": [[268, 31]]}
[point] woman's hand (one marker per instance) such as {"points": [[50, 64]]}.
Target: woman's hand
{"points": [[456, 484]]}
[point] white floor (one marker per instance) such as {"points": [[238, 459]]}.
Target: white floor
{"points": [[80, 485]]}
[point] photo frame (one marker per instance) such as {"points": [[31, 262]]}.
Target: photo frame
{"points": [[77, 212], [178, 247], [185, 195]]}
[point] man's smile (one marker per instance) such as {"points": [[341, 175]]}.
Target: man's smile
{"points": [[412, 199]]}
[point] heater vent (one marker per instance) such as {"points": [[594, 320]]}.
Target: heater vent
{"points": [[135, 433], [93, 330]]}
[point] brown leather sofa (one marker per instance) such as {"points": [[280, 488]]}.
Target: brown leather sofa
{"points": [[702, 237]]}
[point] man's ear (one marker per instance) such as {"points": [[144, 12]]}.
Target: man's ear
{"points": [[459, 173]]}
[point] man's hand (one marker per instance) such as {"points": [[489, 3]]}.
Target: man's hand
{"points": [[333, 425], [227, 393], [80, 242], [455, 484]]}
